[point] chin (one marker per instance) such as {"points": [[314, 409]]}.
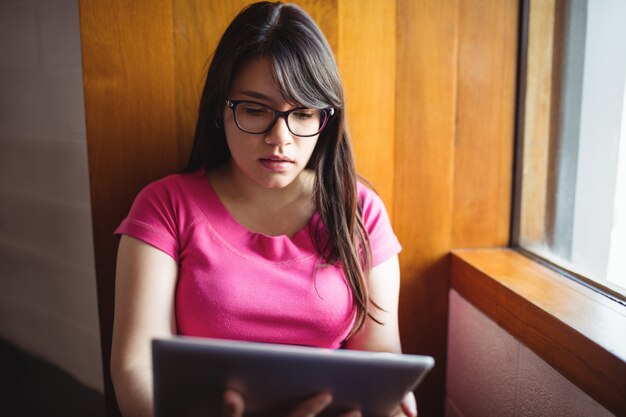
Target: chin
{"points": [[275, 183]]}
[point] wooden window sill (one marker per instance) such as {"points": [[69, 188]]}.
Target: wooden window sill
{"points": [[579, 332]]}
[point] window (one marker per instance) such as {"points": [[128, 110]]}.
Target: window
{"points": [[571, 179]]}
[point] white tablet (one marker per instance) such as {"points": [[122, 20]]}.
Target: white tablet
{"points": [[191, 374]]}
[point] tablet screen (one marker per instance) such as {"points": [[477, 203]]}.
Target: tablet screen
{"points": [[191, 374]]}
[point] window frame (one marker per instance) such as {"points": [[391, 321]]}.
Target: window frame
{"points": [[541, 304], [605, 289]]}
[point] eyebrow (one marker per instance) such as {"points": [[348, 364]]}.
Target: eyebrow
{"points": [[261, 96], [256, 94]]}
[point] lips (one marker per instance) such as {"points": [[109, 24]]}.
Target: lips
{"points": [[276, 158], [276, 163]]}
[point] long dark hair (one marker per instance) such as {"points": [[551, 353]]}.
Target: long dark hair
{"points": [[306, 73]]}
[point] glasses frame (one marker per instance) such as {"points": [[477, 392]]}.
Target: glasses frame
{"points": [[232, 104]]}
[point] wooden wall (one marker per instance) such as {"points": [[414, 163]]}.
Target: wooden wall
{"points": [[430, 88]]}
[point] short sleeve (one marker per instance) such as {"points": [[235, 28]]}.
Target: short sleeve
{"points": [[153, 218], [383, 241]]}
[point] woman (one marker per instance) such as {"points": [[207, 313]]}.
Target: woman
{"points": [[267, 236]]}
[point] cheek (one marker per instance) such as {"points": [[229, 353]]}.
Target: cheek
{"points": [[235, 138], [228, 123], [227, 115], [235, 145], [308, 148]]}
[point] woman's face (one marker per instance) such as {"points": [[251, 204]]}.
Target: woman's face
{"points": [[273, 159]]}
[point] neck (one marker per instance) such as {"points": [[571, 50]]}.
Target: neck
{"points": [[245, 191]]}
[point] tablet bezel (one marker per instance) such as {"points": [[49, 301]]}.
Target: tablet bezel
{"points": [[190, 375]]}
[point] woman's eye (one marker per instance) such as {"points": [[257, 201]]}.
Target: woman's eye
{"points": [[304, 115], [255, 111]]}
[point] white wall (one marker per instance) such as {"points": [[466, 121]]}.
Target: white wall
{"points": [[492, 374], [48, 300]]}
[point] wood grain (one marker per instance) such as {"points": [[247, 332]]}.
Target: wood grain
{"points": [[368, 73], [579, 332], [326, 15], [198, 26], [483, 154], [128, 78], [537, 123], [426, 67]]}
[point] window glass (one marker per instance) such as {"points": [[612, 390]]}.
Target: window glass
{"points": [[572, 177]]}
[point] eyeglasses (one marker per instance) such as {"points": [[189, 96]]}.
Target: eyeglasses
{"points": [[256, 118]]}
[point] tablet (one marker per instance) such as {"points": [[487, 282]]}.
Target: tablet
{"points": [[191, 374]]}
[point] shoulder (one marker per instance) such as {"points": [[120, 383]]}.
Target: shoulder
{"points": [[174, 198], [174, 186], [370, 201], [163, 210], [383, 241]]}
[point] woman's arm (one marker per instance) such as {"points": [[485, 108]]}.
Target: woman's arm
{"points": [[144, 309], [384, 289]]}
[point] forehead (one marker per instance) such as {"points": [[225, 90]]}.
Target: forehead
{"points": [[255, 79]]}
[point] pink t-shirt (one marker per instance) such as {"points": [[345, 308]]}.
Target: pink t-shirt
{"points": [[240, 285]]}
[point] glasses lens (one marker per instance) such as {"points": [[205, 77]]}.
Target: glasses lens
{"points": [[253, 117], [306, 122], [256, 118]]}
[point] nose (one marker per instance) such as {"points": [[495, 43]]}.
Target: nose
{"points": [[279, 134]]}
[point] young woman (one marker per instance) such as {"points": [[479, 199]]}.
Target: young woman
{"points": [[267, 236]]}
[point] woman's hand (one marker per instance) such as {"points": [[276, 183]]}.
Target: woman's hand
{"points": [[234, 406], [408, 406]]}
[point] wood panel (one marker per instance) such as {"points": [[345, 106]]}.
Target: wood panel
{"points": [[325, 14], [198, 26], [537, 123], [554, 316], [128, 78], [425, 127], [483, 162], [367, 67]]}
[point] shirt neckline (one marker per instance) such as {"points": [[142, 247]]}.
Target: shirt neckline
{"points": [[238, 237]]}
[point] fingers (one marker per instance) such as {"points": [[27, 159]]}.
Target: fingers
{"points": [[409, 405], [233, 404], [312, 406], [352, 413]]}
